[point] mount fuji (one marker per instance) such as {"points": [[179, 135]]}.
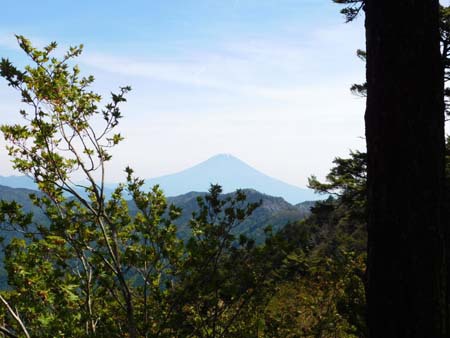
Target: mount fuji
{"points": [[231, 173]]}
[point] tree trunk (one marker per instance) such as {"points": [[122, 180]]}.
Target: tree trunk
{"points": [[407, 279]]}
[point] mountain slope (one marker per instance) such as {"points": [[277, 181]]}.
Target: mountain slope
{"points": [[274, 211], [231, 173]]}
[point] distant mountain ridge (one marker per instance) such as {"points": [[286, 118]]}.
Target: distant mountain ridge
{"points": [[223, 169], [274, 211]]}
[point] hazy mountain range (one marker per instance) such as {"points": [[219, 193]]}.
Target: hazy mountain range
{"points": [[274, 211], [228, 171]]}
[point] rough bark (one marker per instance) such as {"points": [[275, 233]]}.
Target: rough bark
{"points": [[407, 279]]}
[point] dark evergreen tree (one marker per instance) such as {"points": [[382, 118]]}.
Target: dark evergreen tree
{"points": [[405, 145], [408, 241]]}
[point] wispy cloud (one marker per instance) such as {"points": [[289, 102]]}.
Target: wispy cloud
{"points": [[263, 68], [274, 68]]}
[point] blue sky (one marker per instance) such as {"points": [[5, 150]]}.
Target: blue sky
{"points": [[266, 80]]}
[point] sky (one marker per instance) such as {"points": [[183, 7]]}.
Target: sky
{"points": [[264, 80]]}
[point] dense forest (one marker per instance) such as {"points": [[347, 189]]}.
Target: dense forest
{"points": [[134, 265]]}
